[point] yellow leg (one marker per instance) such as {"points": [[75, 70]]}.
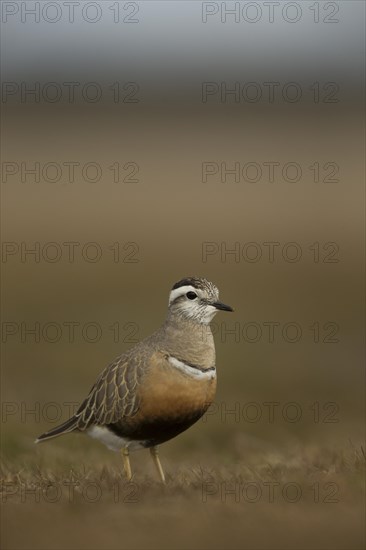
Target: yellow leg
{"points": [[155, 456], [126, 463]]}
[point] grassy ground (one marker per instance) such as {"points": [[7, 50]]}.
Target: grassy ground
{"points": [[305, 499]]}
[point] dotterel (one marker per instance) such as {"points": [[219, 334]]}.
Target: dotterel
{"points": [[161, 386]]}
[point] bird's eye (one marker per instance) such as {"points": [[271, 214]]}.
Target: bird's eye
{"points": [[191, 295]]}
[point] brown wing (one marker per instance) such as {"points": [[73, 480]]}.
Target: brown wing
{"points": [[114, 395]]}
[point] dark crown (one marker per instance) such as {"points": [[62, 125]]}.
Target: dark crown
{"points": [[196, 282]]}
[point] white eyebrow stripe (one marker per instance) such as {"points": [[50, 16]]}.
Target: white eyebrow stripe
{"points": [[180, 291], [191, 371]]}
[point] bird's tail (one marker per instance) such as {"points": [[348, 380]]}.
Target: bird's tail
{"points": [[68, 426]]}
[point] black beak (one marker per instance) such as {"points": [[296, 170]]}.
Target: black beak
{"points": [[223, 307]]}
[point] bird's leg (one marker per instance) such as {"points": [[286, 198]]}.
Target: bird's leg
{"points": [[155, 456], [126, 463]]}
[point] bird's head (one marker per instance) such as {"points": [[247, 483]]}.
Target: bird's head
{"points": [[196, 299]]}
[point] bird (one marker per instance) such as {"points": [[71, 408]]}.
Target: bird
{"points": [[161, 386]]}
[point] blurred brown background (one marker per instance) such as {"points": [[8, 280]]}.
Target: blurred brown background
{"points": [[169, 213]]}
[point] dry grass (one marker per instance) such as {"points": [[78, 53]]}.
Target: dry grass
{"points": [[312, 499]]}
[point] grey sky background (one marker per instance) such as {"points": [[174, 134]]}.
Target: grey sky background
{"points": [[171, 46]]}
